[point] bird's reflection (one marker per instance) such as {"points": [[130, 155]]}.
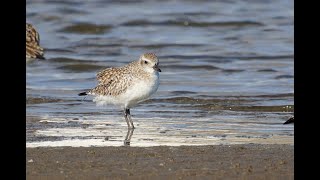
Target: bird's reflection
{"points": [[128, 137]]}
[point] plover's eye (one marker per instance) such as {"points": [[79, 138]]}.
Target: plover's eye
{"points": [[146, 62]]}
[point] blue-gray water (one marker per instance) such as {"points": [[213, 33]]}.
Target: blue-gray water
{"points": [[227, 71]]}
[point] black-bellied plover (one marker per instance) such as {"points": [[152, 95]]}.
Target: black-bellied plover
{"points": [[33, 49], [128, 85]]}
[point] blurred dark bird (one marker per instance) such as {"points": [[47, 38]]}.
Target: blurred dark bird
{"points": [[291, 120], [33, 49]]}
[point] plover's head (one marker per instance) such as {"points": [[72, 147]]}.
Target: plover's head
{"points": [[32, 36], [150, 62]]}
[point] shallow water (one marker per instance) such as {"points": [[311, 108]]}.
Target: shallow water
{"points": [[227, 71]]}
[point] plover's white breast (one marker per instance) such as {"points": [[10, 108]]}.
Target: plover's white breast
{"points": [[141, 90]]}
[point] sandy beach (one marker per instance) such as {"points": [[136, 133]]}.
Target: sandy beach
{"points": [[250, 161]]}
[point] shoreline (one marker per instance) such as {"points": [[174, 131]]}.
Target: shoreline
{"points": [[257, 161]]}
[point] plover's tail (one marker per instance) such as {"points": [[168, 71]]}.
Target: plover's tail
{"points": [[82, 94]]}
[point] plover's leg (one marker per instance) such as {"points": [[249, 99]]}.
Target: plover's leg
{"points": [[126, 117], [129, 117], [128, 137]]}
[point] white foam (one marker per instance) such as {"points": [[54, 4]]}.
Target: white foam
{"points": [[112, 130]]}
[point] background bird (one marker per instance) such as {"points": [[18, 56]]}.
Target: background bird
{"points": [[33, 49], [291, 120]]}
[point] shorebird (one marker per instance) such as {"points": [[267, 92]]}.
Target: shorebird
{"points": [[290, 120], [33, 49], [128, 85]]}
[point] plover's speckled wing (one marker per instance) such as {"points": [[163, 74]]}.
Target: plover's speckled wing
{"points": [[33, 49], [105, 75], [112, 82]]}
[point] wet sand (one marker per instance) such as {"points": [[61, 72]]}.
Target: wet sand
{"points": [[250, 161]]}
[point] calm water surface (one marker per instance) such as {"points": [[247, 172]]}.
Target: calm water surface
{"points": [[227, 71]]}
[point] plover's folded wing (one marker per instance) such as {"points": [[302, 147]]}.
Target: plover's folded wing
{"points": [[105, 75], [111, 82]]}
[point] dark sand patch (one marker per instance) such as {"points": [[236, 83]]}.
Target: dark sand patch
{"points": [[163, 162]]}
